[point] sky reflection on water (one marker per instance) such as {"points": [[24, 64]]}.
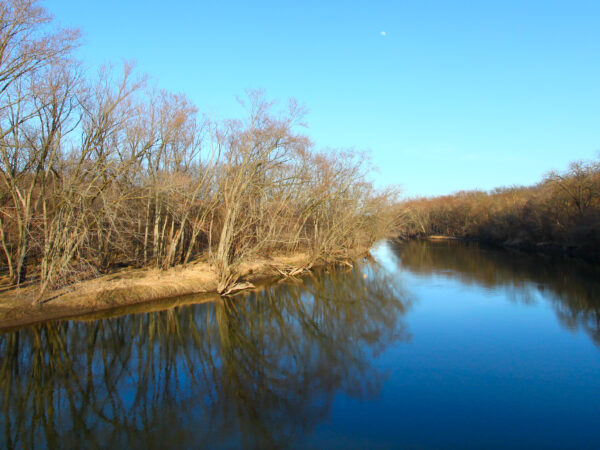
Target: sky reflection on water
{"points": [[431, 345]]}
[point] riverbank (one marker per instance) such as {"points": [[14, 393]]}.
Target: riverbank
{"points": [[545, 248], [138, 287]]}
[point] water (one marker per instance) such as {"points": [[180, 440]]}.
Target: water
{"points": [[431, 345]]}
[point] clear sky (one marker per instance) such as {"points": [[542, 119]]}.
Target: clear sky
{"points": [[447, 95]]}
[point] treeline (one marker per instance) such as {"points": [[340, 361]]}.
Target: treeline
{"points": [[105, 171], [560, 213]]}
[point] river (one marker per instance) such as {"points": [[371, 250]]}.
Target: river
{"points": [[427, 345]]}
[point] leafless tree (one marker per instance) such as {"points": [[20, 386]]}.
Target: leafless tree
{"points": [[36, 84], [102, 172]]}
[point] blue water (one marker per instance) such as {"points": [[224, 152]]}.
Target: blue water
{"points": [[430, 345]]}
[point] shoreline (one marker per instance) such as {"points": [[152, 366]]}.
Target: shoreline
{"points": [[138, 290], [542, 248]]}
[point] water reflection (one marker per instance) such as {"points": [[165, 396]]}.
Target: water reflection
{"points": [[254, 371], [263, 370], [572, 286]]}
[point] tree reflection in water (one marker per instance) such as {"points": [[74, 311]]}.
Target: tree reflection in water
{"points": [[571, 285], [259, 370]]}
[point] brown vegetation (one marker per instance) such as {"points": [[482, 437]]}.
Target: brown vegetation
{"points": [[135, 288], [562, 213], [103, 173]]}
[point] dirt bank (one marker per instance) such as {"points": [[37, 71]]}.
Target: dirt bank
{"points": [[133, 288]]}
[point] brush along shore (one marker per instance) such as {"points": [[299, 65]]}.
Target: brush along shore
{"points": [[143, 289]]}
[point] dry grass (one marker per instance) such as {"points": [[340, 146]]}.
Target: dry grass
{"points": [[130, 290]]}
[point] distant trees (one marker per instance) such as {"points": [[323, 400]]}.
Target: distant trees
{"points": [[104, 171], [561, 211]]}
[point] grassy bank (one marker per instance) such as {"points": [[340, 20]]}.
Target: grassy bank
{"points": [[142, 289]]}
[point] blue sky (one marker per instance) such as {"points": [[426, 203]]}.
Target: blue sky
{"points": [[455, 95]]}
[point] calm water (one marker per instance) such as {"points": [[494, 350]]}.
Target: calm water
{"points": [[432, 345]]}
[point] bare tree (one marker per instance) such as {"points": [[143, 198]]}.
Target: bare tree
{"points": [[253, 152], [101, 173], [88, 173], [36, 83]]}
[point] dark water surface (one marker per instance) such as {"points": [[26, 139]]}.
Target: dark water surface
{"points": [[432, 345]]}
